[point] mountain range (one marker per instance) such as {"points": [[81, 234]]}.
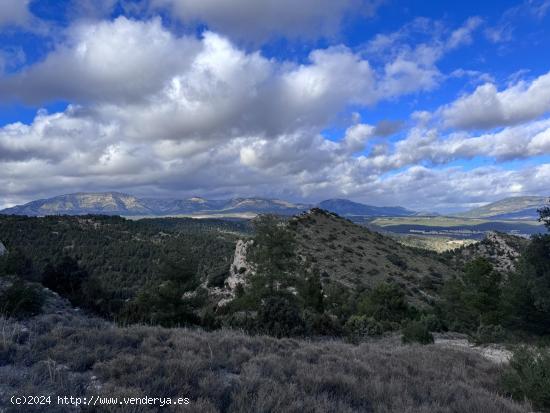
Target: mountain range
{"points": [[115, 203]]}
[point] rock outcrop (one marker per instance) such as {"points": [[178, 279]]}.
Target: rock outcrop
{"points": [[501, 250], [3, 249], [238, 273]]}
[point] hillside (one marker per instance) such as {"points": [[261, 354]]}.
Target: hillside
{"points": [[123, 256], [520, 208], [353, 256], [65, 352]]}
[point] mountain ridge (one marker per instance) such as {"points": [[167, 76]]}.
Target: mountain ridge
{"points": [[117, 203], [520, 208]]}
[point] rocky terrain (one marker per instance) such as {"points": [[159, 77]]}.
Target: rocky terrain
{"points": [[502, 250]]}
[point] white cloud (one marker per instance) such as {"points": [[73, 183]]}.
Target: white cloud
{"points": [[159, 114], [118, 60], [259, 20], [410, 54], [424, 145], [487, 107], [463, 35]]}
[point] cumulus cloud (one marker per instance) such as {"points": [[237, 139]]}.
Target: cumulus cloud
{"points": [[159, 86], [119, 60], [259, 20], [487, 107], [410, 54], [155, 113], [424, 145]]}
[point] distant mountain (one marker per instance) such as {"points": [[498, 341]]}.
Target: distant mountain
{"points": [[346, 208], [108, 203], [115, 203], [520, 208]]}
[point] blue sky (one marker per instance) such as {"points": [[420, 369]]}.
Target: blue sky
{"points": [[429, 105]]}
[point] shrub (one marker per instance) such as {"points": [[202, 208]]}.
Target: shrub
{"points": [[433, 322], [321, 324], [528, 376], [17, 263], [490, 334], [66, 279], [21, 300], [359, 327], [417, 332], [279, 315], [386, 303], [397, 261]]}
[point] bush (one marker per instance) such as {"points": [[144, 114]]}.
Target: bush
{"points": [[321, 324], [386, 303], [21, 300], [66, 279], [17, 263], [433, 322], [490, 334], [417, 332], [359, 327], [280, 316], [528, 376]]}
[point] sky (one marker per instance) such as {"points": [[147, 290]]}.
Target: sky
{"points": [[435, 106]]}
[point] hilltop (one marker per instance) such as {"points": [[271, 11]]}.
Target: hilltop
{"points": [[353, 256], [501, 250]]}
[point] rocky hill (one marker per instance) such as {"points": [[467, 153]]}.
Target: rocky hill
{"points": [[502, 250], [524, 207], [353, 256]]}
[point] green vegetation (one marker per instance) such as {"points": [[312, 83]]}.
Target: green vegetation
{"points": [[21, 300], [473, 299], [417, 332], [545, 216], [528, 377], [101, 263], [527, 292]]}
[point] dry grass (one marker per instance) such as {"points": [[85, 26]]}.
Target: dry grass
{"points": [[228, 371]]}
